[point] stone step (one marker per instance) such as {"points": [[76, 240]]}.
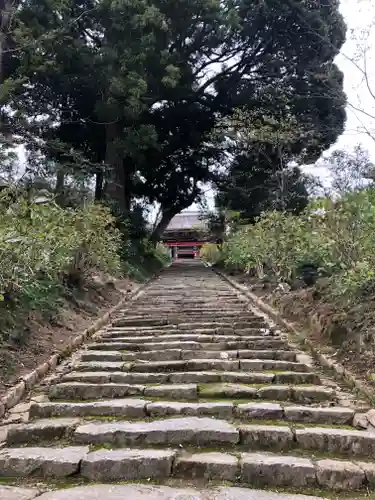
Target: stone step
{"points": [[191, 309], [179, 391], [212, 317], [270, 470], [215, 345], [342, 441], [248, 365], [185, 337], [142, 408], [204, 432], [210, 301], [41, 462], [139, 321], [300, 394], [170, 432], [222, 330], [130, 408], [156, 492], [42, 430], [177, 354], [201, 377], [128, 465], [86, 391]]}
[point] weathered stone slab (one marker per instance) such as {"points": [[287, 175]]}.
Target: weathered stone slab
{"points": [[277, 470], [221, 346], [176, 431], [105, 366], [275, 392], [112, 346], [15, 493], [187, 391], [159, 366], [195, 378], [212, 364], [42, 430], [140, 321], [269, 364], [247, 378], [360, 421], [235, 391], [87, 377], [209, 466], [205, 354], [262, 344], [41, 462], [71, 391], [369, 470], [266, 354], [331, 415], [164, 355], [218, 410], [255, 365], [162, 345], [297, 378], [127, 465], [337, 441], [265, 411], [20, 408], [139, 378], [312, 394], [266, 437], [149, 492], [132, 408], [102, 356], [339, 475]]}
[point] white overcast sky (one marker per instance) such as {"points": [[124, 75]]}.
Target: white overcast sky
{"points": [[359, 16]]}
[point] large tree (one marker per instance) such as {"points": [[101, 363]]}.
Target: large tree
{"points": [[254, 183], [135, 88]]}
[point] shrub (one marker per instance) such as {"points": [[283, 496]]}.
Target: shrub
{"points": [[335, 238], [210, 253], [43, 246], [147, 260]]}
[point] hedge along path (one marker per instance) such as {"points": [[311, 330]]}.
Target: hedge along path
{"points": [[28, 382], [189, 384]]}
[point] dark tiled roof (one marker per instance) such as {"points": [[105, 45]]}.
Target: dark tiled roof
{"points": [[186, 220]]}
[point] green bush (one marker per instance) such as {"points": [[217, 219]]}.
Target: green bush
{"points": [[146, 260], [43, 246], [210, 253], [337, 237]]}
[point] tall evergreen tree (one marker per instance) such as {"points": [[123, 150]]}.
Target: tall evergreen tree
{"points": [[131, 90]]}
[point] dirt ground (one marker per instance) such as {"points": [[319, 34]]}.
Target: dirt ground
{"points": [[38, 339], [344, 331]]}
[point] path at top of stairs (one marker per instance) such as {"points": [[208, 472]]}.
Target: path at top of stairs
{"points": [[188, 386]]}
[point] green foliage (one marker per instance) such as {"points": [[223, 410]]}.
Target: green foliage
{"points": [[148, 260], [210, 253], [132, 92], [43, 247], [335, 237]]}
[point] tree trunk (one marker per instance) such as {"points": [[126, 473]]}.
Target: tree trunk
{"points": [[128, 182], [114, 159], [7, 10], [99, 185], [162, 225], [59, 186]]}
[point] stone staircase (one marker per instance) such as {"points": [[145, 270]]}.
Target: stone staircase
{"points": [[191, 389]]}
